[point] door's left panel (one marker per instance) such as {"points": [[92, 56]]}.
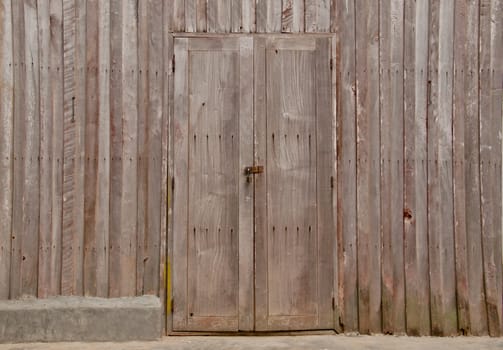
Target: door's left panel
{"points": [[213, 200]]}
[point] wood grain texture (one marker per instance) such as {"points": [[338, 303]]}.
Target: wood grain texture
{"points": [[220, 15], [129, 203], [368, 169], [268, 16], [292, 16], [151, 257], [51, 146], [248, 24], [346, 166], [115, 146], [73, 146], [246, 279], [391, 106], [417, 298], [440, 188], [317, 15], [25, 225], [490, 157], [7, 82]]}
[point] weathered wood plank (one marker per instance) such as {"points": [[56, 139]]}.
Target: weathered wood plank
{"points": [[129, 204], [440, 187], [324, 183], [317, 15], [92, 102], [155, 80], [268, 16], [260, 154], [24, 265], [102, 207], [51, 146], [116, 111], [236, 16], [7, 82], [190, 16], [177, 20], [246, 199], [367, 168], [143, 149], [417, 298], [180, 173], [346, 169], [74, 143], [201, 15], [248, 16], [219, 16], [490, 92], [391, 105], [292, 16], [334, 189]]}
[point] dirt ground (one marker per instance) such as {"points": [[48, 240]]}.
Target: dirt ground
{"points": [[315, 342]]}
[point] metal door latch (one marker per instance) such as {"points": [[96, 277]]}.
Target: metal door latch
{"points": [[256, 169], [251, 170]]}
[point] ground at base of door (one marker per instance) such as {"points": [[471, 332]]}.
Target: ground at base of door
{"points": [[311, 342]]}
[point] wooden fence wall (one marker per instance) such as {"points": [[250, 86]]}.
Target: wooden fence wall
{"points": [[85, 99]]}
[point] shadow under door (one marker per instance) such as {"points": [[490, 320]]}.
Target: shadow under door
{"points": [[253, 230]]}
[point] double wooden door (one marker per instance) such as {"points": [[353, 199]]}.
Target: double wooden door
{"points": [[253, 230]]}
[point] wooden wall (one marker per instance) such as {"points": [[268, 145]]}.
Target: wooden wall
{"points": [[85, 91]]}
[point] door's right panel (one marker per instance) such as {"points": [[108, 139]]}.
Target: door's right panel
{"points": [[294, 224]]}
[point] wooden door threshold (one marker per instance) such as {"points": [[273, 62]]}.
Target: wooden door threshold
{"points": [[256, 333]]}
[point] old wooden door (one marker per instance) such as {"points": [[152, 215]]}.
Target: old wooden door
{"points": [[213, 201], [294, 242], [245, 101]]}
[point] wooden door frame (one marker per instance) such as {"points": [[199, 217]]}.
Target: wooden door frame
{"points": [[166, 292]]}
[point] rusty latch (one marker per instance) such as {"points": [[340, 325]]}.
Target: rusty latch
{"points": [[256, 169]]}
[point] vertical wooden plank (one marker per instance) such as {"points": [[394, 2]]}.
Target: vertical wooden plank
{"points": [[177, 20], [97, 149], [6, 141], [417, 299], [335, 208], [440, 189], [317, 15], [90, 66], [153, 233], [472, 315], [246, 198], [51, 146], [102, 224], [190, 15], [367, 167], [292, 16], [115, 146], [24, 266], [325, 183], [180, 173], [219, 16], [143, 139], [260, 158], [127, 246], [490, 93], [391, 105], [236, 16], [201, 15], [346, 166], [268, 16], [74, 148], [248, 16]]}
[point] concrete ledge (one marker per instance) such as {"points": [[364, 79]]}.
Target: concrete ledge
{"points": [[80, 319]]}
